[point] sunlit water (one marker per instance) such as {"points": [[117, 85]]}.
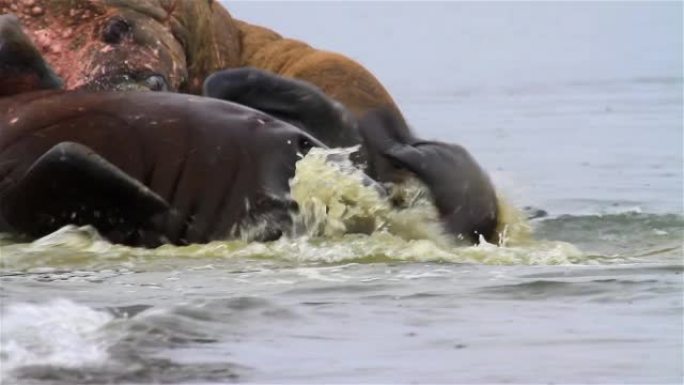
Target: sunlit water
{"points": [[590, 293]]}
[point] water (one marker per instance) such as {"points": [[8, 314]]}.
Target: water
{"points": [[570, 120]]}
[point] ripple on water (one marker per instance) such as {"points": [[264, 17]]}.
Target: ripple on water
{"points": [[635, 237], [595, 290], [66, 342]]}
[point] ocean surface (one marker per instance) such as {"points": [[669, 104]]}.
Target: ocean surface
{"points": [[575, 109]]}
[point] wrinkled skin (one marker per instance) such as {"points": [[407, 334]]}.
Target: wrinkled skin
{"points": [[144, 168], [116, 44], [209, 167], [175, 45]]}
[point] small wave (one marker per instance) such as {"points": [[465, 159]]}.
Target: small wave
{"points": [[376, 247], [69, 343], [628, 223], [633, 236], [600, 290], [57, 333]]}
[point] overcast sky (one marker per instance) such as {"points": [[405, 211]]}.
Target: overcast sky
{"points": [[461, 45]]}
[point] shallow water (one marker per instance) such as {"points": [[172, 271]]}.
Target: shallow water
{"points": [[594, 295]]}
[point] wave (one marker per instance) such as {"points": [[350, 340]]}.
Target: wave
{"points": [[71, 343], [630, 236], [58, 333]]}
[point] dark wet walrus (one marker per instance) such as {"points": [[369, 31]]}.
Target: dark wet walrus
{"points": [[294, 101], [461, 190], [144, 168]]}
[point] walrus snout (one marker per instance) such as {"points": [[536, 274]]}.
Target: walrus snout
{"points": [[140, 81]]}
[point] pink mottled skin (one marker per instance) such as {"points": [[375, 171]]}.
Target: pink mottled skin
{"points": [[68, 34], [124, 44]]}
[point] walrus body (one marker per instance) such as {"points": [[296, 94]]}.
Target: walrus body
{"points": [[201, 163]]}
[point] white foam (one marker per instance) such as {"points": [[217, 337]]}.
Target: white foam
{"points": [[59, 332]]}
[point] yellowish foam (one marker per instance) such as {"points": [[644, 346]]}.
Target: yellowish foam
{"points": [[340, 220], [333, 201]]}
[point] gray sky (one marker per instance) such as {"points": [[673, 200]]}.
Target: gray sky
{"points": [[487, 44]]}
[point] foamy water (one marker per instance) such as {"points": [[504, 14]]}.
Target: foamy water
{"points": [[58, 332]]}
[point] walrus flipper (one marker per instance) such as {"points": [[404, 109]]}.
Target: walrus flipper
{"points": [[22, 68], [294, 101], [71, 184]]}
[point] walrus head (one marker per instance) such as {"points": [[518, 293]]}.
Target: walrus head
{"points": [[128, 44], [462, 192]]}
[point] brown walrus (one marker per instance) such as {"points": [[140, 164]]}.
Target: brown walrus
{"points": [[176, 44], [144, 168], [461, 190]]}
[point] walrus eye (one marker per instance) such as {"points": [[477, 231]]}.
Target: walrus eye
{"points": [[115, 30], [156, 83]]}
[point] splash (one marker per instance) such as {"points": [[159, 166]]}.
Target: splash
{"points": [[334, 201], [513, 227], [341, 220], [60, 333]]}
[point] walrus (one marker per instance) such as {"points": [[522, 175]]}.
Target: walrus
{"points": [[461, 190], [388, 151], [144, 168], [175, 45], [305, 105]]}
